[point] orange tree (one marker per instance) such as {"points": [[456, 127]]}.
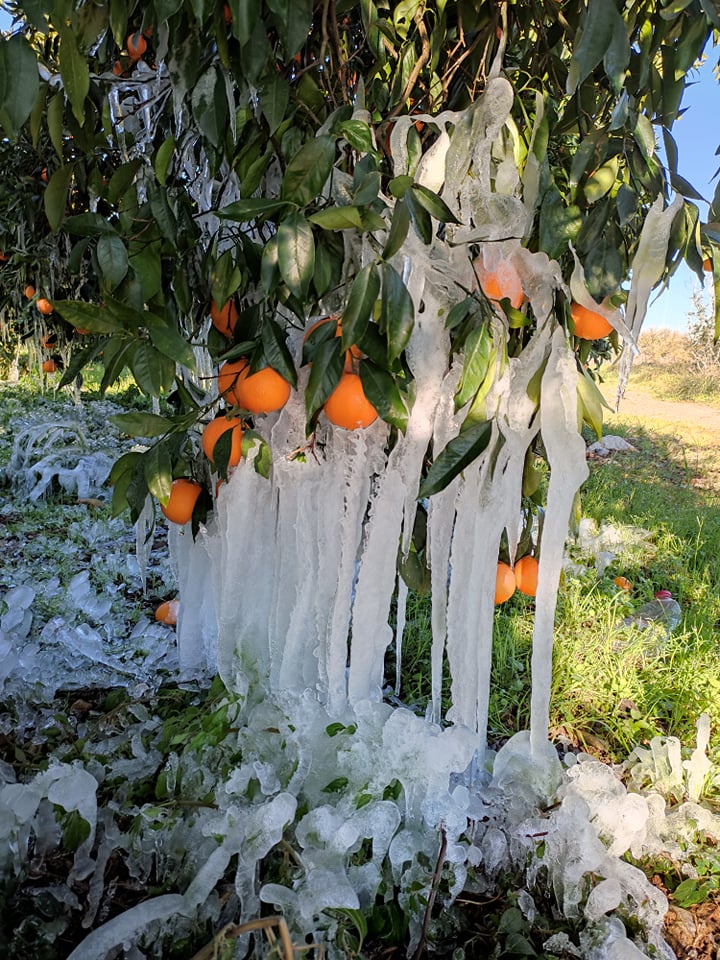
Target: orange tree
{"points": [[193, 184]]}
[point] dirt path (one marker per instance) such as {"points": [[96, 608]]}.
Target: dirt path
{"points": [[692, 430]]}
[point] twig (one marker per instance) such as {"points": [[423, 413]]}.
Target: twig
{"points": [[435, 883], [233, 931]]}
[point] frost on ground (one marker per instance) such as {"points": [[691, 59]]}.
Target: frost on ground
{"points": [[71, 606], [229, 804]]}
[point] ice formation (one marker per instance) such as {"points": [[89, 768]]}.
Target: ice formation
{"points": [[287, 592]]}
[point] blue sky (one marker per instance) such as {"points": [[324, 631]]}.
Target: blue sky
{"points": [[698, 137]]}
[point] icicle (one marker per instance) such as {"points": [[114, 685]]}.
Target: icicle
{"points": [[401, 616], [647, 268], [565, 449], [144, 527]]}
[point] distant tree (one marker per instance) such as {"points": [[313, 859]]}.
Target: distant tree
{"points": [[704, 348]]}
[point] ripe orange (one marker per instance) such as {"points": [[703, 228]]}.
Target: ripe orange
{"points": [[49, 340], [623, 583], [227, 14], [708, 265], [49, 366], [44, 306], [44, 175], [117, 68], [214, 430], [82, 331], [504, 582], [589, 325], [136, 45], [347, 406], [4, 257], [168, 612], [260, 392], [29, 291], [183, 497], [526, 575], [224, 318], [500, 282]]}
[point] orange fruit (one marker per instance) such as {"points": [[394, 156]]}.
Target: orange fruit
{"points": [[136, 45], [224, 318], [183, 497], [49, 340], [347, 406], [44, 306], [227, 14], [117, 68], [526, 575], [589, 325], [49, 366], [82, 331], [260, 392], [501, 282], [623, 583], [168, 612], [708, 265], [29, 291], [44, 175], [504, 582], [4, 257], [214, 430]]}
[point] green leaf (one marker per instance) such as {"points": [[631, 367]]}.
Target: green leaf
{"points": [[88, 225], [263, 460], [358, 134], [79, 360], [75, 830], [367, 189], [477, 351], [163, 159], [458, 454], [626, 201], [398, 311], [338, 218], [163, 214], [336, 786], [399, 186], [245, 14], [359, 307], [112, 258], [157, 468], [74, 70], [87, 316], [419, 216], [254, 207], [296, 254], [269, 271], [55, 196], [297, 18], [55, 111], [603, 267], [124, 465], [559, 224], [209, 106], [434, 204], [276, 350], [327, 367], [147, 265], [308, 171], [19, 82], [153, 371], [122, 179], [601, 181], [139, 424], [617, 55], [169, 342], [398, 230], [597, 34], [274, 97], [384, 394]]}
